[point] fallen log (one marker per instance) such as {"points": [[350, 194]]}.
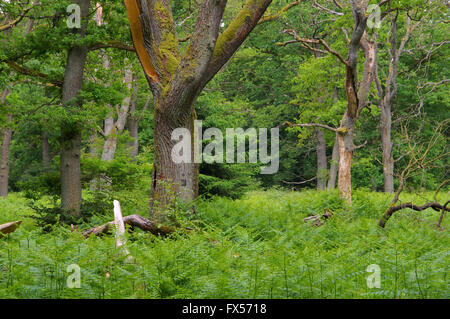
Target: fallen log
{"points": [[134, 221], [317, 219], [9, 227], [391, 210]]}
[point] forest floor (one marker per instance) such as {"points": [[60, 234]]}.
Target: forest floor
{"points": [[255, 247]]}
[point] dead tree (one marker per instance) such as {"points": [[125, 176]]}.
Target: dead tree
{"points": [[419, 159]]}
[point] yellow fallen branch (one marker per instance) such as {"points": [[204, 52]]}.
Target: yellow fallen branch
{"points": [[9, 227]]}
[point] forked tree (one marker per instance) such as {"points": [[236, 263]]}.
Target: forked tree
{"points": [[357, 90], [176, 78]]}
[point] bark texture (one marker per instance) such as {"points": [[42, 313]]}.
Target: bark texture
{"points": [[114, 128], [70, 167], [45, 153], [388, 94], [5, 155], [322, 166], [357, 93]]}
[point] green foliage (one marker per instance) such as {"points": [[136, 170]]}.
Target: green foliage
{"points": [[256, 247]]}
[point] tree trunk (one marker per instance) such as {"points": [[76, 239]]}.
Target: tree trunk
{"points": [[334, 164], [386, 142], [133, 129], [70, 165], [171, 180], [345, 140], [322, 166], [71, 173], [114, 129], [45, 153], [133, 122], [109, 147], [176, 79], [4, 165]]}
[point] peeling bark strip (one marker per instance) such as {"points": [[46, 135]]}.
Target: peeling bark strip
{"points": [[134, 221], [9, 227], [138, 38], [436, 206]]}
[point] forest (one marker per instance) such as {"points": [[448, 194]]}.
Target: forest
{"points": [[240, 149]]}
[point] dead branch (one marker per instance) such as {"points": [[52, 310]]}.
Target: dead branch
{"points": [[436, 206], [311, 125], [441, 218], [317, 220], [9, 227], [134, 221]]}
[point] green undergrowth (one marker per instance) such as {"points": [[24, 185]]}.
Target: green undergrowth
{"points": [[255, 247]]}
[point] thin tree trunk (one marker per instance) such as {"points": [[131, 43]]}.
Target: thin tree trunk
{"points": [[45, 153], [334, 165], [386, 142], [345, 158], [114, 129], [93, 152], [7, 134], [4, 165], [322, 166], [70, 165], [133, 145], [108, 148]]}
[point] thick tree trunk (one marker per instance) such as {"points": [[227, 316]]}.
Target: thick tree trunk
{"points": [[322, 166], [70, 165], [4, 164], [45, 153], [71, 173], [334, 165], [386, 142], [171, 180], [345, 140]]}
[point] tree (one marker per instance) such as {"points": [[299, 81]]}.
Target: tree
{"points": [[70, 165], [387, 89], [176, 78], [357, 91]]}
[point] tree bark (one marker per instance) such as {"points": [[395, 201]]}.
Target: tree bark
{"points": [[176, 79], [334, 165], [171, 180], [133, 121], [70, 165], [45, 153], [346, 145], [386, 142], [322, 166], [4, 164]]}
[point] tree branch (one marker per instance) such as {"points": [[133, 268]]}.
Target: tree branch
{"points": [[311, 125], [271, 17]]}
